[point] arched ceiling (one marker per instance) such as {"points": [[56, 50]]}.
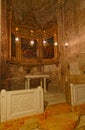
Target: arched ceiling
{"points": [[36, 15]]}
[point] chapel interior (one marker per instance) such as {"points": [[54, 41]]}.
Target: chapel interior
{"points": [[42, 38]]}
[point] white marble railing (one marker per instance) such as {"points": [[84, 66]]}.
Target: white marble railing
{"points": [[77, 93], [21, 103]]}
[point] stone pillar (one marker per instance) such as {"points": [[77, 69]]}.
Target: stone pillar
{"points": [[0, 25], [38, 51], [9, 34], [19, 47], [66, 63], [40, 47], [0, 44], [18, 50], [55, 47], [39, 54]]}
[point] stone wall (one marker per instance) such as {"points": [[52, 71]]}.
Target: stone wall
{"points": [[75, 29], [15, 76], [71, 29]]}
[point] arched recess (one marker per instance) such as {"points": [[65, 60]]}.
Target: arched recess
{"points": [[22, 51]]}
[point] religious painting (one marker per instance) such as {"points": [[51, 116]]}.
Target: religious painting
{"points": [[48, 49], [28, 50], [13, 45]]}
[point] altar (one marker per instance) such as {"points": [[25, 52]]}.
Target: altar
{"points": [[42, 79]]}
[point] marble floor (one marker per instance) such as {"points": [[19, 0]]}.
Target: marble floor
{"points": [[55, 117], [58, 101], [54, 97], [59, 97], [81, 125]]}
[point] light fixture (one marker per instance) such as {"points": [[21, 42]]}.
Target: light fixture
{"points": [[44, 38], [55, 43], [17, 34], [44, 41], [31, 39], [16, 39], [66, 40], [66, 44], [55, 40], [32, 42]]}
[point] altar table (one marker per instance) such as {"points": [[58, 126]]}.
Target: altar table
{"points": [[42, 78]]}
